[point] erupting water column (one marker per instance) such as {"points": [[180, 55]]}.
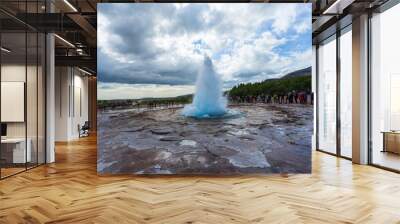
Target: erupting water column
{"points": [[208, 100]]}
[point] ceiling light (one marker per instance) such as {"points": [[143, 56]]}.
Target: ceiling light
{"points": [[337, 7], [70, 5], [5, 50], [86, 72], [79, 51], [65, 41]]}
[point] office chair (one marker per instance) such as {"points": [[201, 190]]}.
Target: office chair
{"points": [[84, 130]]}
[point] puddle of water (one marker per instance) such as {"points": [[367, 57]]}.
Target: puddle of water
{"points": [[239, 132], [188, 143]]}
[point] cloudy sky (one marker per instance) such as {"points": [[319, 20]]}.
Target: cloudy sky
{"points": [[155, 50]]}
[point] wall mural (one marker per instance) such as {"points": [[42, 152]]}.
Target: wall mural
{"points": [[220, 89]]}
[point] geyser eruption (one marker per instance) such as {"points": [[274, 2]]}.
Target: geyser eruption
{"points": [[208, 100]]}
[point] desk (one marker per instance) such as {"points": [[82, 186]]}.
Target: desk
{"points": [[391, 141], [18, 151]]}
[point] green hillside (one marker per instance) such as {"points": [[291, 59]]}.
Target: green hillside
{"points": [[272, 86]]}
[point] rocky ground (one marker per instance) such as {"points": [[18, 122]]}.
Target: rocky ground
{"points": [[264, 139]]}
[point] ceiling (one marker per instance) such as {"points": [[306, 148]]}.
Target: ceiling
{"points": [[74, 22], [332, 15]]}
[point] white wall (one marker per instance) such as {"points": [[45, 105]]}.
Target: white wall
{"points": [[12, 73], [33, 126], [62, 82], [16, 73], [71, 87]]}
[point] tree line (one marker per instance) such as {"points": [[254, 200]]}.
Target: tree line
{"points": [[272, 87]]}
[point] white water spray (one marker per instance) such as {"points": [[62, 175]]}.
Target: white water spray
{"points": [[208, 100]]}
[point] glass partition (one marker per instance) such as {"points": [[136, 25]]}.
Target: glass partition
{"points": [[13, 94], [41, 97], [327, 96], [346, 93], [22, 78], [31, 99], [385, 89]]}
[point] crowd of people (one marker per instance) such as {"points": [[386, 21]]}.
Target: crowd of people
{"points": [[293, 97]]}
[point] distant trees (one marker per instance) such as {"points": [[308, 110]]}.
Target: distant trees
{"points": [[167, 101], [269, 87], [147, 102], [114, 103], [272, 87]]}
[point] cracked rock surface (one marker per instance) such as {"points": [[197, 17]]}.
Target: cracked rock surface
{"points": [[264, 139]]}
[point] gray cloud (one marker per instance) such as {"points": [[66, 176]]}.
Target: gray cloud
{"points": [[143, 72], [162, 43]]}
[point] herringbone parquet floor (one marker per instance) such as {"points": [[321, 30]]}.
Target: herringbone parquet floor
{"points": [[70, 191]]}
